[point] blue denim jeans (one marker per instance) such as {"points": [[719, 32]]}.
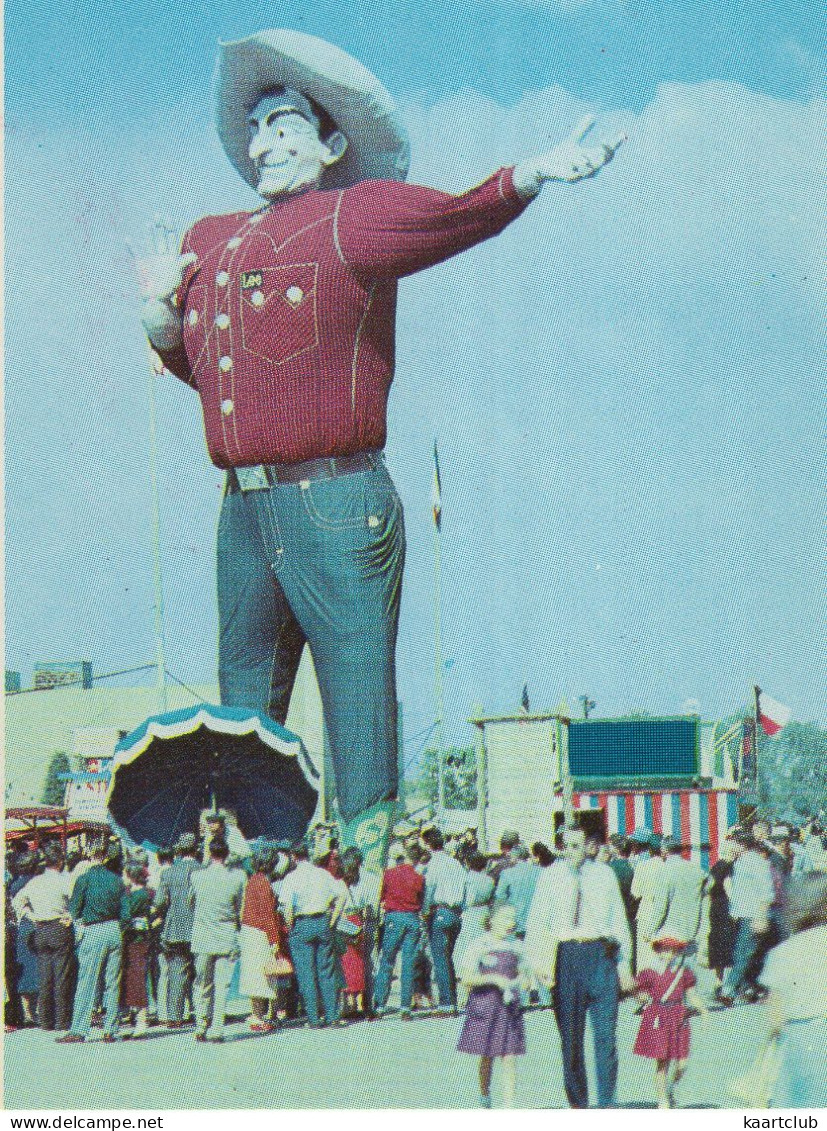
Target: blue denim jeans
{"points": [[587, 983], [402, 929], [318, 562], [99, 960], [311, 949], [746, 945], [443, 934]]}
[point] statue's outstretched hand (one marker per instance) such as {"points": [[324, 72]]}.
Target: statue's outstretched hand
{"points": [[570, 161]]}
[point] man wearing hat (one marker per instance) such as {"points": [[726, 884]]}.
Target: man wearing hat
{"points": [[676, 896], [172, 901], [283, 319], [644, 885]]}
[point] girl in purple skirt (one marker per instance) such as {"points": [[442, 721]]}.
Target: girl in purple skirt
{"points": [[494, 970]]}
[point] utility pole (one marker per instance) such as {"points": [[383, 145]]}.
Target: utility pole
{"points": [[588, 705], [164, 242], [436, 502]]}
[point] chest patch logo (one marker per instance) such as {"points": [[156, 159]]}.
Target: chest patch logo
{"points": [[250, 279]]}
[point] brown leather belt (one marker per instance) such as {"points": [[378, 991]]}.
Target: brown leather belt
{"points": [[265, 475]]}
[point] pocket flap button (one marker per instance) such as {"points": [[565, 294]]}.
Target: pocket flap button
{"points": [[257, 298], [294, 295]]}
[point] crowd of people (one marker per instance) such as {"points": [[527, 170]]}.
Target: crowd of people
{"points": [[124, 940]]}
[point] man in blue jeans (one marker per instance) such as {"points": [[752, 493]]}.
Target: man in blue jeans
{"points": [[445, 880], [578, 942], [312, 902], [751, 897], [96, 906], [401, 897]]}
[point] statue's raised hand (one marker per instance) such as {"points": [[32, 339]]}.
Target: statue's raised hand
{"points": [[570, 161], [160, 276]]}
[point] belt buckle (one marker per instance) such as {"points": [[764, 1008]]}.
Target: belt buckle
{"points": [[252, 478]]}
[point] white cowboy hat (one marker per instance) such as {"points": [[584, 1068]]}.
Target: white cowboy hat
{"points": [[352, 97]]}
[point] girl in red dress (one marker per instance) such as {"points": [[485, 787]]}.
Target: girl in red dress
{"points": [[667, 991]]}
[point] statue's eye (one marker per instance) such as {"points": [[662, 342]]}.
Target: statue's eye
{"points": [[280, 133]]}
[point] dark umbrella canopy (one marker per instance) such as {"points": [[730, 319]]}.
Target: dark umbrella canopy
{"points": [[175, 765]]}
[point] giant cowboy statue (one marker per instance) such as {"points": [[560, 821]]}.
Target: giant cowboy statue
{"points": [[283, 320]]}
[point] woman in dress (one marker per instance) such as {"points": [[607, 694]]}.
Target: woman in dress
{"points": [[479, 894], [493, 968], [262, 937], [352, 929], [27, 974], [136, 914], [667, 987], [722, 927]]}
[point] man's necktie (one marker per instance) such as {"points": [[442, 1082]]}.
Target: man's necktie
{"points": [[578, 901]]}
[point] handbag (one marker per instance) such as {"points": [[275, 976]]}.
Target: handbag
{"points": [[278, 966], [348, 929], [755, 1087]]}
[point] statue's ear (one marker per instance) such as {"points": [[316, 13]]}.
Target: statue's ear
{"points": [[336, 145]]}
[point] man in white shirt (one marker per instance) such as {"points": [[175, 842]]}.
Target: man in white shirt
{"points": [[578, 940], [647, 880], [751, 897], [45, 899], [676, 901], [311, 901], [445, 881]]}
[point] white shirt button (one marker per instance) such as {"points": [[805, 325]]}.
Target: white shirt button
{"points": [[222, 321], [257, 298], [227, 407], [222, 278], [192, 317], [294, 295], [234, 243], [225, 364]]}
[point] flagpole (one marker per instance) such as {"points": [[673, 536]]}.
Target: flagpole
{"points": [[756, 690], [438, 689], [161, 245], [436, 500]]}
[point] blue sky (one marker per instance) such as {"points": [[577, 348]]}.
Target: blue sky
{"points": [[627, 385]]}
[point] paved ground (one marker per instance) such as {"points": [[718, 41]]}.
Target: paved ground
{"points": [[367, 1065]]}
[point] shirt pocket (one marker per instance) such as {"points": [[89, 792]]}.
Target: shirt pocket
{"points": [[278, 311], [195, 325]]}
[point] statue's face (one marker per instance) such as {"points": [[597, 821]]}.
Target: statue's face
{"points": [[287, 150]]}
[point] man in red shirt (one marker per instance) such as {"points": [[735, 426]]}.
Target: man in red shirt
{"points": [[401, 899], [283, 320]]}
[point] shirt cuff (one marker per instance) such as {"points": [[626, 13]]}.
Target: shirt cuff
{"points": [[507, 190]]}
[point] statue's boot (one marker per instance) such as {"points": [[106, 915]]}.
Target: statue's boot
{"points": [[370, 832]]}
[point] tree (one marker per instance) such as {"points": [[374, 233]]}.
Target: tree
{"points": [[792, 769], [460, 777], [54, 790]]}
